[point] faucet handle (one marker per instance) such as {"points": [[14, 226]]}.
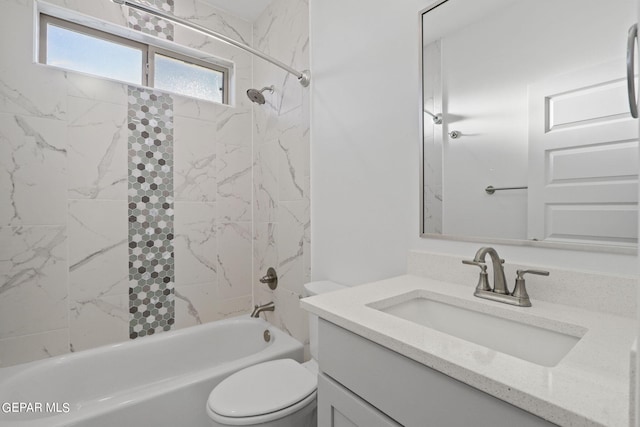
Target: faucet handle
{"points": [[480, 264], [520, 291], [520, 273], [483, 280], [270, 279]]}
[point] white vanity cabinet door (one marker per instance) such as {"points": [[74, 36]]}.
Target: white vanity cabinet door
{"points": [[338, 407]]}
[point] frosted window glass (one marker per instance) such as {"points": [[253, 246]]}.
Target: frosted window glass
{"points": [[80, 52], [188, 79]]}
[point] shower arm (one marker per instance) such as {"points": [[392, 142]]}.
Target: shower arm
{"points": [[303, 76], [437, 118]]}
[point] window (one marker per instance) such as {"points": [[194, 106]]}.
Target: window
{"points": [[188, 76], [76, 47]]}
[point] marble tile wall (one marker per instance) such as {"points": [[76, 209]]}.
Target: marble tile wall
{"points": [[432, 143], [64, 239], [281, 182]]}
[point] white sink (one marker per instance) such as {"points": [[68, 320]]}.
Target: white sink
{"points": [[537, 345]]}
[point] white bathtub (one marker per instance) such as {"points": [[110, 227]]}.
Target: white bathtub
{"points": [[161, 380]]}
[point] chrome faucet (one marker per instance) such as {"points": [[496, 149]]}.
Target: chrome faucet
{"points": [[257, 309], [500, 292]]}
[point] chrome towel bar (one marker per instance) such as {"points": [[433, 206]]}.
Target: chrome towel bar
{"points": [[491, 189]]}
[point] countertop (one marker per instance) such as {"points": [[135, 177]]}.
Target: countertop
{"points": [[589, 386]]}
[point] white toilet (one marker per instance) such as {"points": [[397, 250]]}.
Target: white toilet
{"points": [[278, 393]]}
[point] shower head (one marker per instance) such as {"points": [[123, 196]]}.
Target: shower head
{"points": [[256, 95]]}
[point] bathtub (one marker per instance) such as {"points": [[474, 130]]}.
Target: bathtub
{"points": [[161, 380]]}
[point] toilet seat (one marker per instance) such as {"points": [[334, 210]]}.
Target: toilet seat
{"points": [[262, 393]]}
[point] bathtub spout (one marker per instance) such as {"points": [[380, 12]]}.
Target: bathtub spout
{"points": [[270, 306]]}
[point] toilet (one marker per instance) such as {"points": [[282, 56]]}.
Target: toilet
{"points": [[277, 393]]}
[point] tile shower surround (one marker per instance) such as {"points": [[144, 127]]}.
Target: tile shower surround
{"points": [[64, 277], [281, 199], [151, 232], [151, 25]]}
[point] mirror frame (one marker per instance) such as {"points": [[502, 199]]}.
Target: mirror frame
{"points": [[620, 250]]}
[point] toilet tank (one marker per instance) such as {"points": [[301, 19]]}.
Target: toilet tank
{"points": [[311, 289]]}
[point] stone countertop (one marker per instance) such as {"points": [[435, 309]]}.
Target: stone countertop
{"points": [[589, 386]]}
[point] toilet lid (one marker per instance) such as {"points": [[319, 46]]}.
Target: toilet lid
{"points": [[263, 388]]}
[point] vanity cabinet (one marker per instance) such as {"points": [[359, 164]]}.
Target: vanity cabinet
{"points": [[338, 407], [367, 385]]}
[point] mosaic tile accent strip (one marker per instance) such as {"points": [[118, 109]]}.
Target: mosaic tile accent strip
{"points": [[151, 261], [151, 25]]}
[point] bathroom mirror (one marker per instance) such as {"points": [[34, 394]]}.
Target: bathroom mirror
{"points": [[529, 97]]}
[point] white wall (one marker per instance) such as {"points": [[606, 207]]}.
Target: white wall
{"points": [[364, 149], [365, 106]]}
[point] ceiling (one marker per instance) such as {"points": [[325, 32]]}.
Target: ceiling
{"points": [[246, 9]]}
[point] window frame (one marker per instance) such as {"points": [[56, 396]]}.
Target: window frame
{"points": [[92, 32], [155, 50], [148, 51]]}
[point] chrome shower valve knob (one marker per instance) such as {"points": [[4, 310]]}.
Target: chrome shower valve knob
{"points": [[270, 279]]}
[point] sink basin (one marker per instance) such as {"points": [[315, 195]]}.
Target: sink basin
{"points": [[544, 347]]}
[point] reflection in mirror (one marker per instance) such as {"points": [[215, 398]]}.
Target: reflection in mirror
{"points": [[533, 100]]}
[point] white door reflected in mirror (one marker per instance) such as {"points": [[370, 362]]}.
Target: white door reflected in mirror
{"points": [[540, 105]]}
